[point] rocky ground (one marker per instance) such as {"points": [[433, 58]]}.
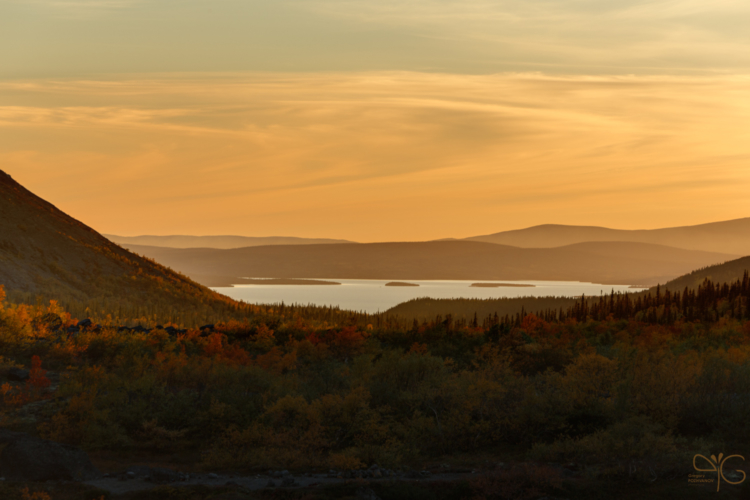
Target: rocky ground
{"points": [[145, 478], [68, 474]]}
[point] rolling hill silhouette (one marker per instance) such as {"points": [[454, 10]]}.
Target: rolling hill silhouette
{"points": [[602, 262], [731, 237], [223, 242]]}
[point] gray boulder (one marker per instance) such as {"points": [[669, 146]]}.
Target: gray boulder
{"points": [[26, 458]]}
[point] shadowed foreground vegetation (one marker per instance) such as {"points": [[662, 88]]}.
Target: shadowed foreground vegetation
{"points": [[522, 483], [622, 388]]}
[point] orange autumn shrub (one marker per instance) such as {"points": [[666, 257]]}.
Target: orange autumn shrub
{"points": [[532, 325], [264, 339], [215, 345], [36, 495], [276, 361], [348, 342], [14, 397], [17, 396]]}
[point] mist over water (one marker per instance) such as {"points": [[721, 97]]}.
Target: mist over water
{"points": [[373, 296]]}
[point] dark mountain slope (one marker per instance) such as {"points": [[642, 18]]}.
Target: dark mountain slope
{"points": [[731, 237], [613, 263], [47, 254], [721, 273]]}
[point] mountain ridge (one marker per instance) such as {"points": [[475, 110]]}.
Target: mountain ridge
{"points": [[731, 236], [635, 263], [224, 242]]}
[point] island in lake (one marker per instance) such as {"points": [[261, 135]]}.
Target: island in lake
{"points": [[282, 281], [498, 285], [400, 283]]}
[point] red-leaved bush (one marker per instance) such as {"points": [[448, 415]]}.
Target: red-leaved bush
{"points": [[37, 376]]}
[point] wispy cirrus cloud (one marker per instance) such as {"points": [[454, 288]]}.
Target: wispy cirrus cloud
{"points": [[75, 37], [454, 11], [671, 35], [80, 10], [383, 155], [82, 4]]}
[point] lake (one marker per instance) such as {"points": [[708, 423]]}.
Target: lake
{"points": [[373, 296]]}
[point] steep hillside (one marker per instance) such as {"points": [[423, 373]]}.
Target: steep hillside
{"points": [[223, 242], [730, 237], [609, 263], [721, 273], [46, 254]]}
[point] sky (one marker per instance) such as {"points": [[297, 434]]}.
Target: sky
{"points": [[377, 121]]}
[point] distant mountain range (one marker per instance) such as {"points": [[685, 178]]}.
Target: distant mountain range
{"points": [[730, 237], [224, 242], [546, 252], [601, 262]]}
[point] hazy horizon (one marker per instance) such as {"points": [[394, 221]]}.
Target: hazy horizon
{"points": [[387, 121], [270, 236]]}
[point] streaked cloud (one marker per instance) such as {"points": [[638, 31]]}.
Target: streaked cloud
{"points": [[88, 4], [380, 155], [651, 36], [79, 37], [78, 9]]}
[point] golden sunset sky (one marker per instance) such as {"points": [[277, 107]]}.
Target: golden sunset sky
{"points": [[377, 121]]}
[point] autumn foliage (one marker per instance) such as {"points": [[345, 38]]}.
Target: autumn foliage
{"points": [[37, 376], [16, 396], [643, 380]]}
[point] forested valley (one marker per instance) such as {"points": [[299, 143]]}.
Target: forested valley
{"points": [[619, 386]]}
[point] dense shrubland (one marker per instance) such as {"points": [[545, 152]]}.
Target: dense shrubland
{"points": [[149, 298], [603, 384]]}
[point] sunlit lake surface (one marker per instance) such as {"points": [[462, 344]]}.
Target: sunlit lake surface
{"points": [[373, 296]]}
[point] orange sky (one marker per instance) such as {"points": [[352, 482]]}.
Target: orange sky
{"points": [[377, 120], [375, 156]]}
